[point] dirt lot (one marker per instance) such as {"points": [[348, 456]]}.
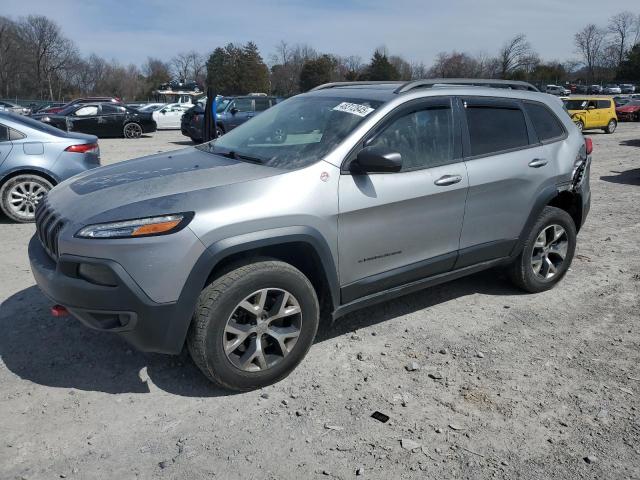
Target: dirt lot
{"points": [[509, 385]]}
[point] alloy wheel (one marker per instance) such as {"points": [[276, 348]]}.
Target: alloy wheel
{"points": [[24, 197], [132, 130], [549, 251], [262, 330]]}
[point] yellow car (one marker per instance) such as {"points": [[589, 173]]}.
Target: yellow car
{"points": [[590, 113]]}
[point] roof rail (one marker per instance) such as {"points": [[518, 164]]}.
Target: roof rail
{"points": [[325, 86], [475, 82]]}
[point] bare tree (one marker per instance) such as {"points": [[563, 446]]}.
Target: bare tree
{"points": [[624, 29], [45, 49], [590, 44], [516, 54], [287, 63], [9, 56]]}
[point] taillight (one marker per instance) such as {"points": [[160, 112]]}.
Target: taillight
{"points": [[588, 144], [83, 148]]}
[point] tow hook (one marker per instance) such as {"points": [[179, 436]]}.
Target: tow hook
{"points": [[59, 311]]}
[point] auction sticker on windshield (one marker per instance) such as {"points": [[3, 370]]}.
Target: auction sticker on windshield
{"points": [[354, 108]]}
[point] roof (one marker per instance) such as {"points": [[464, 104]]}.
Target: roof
{"points": [[386, 90]]}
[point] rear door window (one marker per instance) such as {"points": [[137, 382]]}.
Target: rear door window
{"points": [[604, 103], [243, 104], [262, 104], [545, 123], [495, 129]]}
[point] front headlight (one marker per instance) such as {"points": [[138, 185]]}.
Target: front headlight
{"points": [[141, 227]]}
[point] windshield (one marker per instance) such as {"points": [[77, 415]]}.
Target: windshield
{"points": [[632, 103], [221, 104], [576, 104], [295, 133]]}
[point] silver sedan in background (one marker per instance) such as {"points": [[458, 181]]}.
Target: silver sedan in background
{"points": [[34, 157]]}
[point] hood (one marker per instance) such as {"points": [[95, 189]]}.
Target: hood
{"points": [[163, 183], [628, 108]]}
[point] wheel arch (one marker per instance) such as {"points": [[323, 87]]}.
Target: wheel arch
{"points": [[570, 202], [303, 247], [29, 171]]}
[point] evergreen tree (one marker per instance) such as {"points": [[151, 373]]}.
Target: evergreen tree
{"points": [[630, 67], [380, 68], [237, 70], [316, 72]]}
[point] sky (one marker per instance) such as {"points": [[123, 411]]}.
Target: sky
{"points": [[132, 30]]}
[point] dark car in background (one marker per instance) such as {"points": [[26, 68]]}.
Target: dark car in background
{"points": [[102, 120], [34, 157], [181, 86], [627, 88], [79, 101], [594, 89], [230, 113], [581, 89]]}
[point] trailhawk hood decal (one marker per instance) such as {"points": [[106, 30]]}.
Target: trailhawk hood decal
{"points": [[160, 180]]}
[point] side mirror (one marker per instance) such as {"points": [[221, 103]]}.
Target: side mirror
{"points": [[371, 160], [591, 107], [233, 111]]}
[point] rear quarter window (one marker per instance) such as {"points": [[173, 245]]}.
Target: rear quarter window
{"points": [[545, 123], [604, 103], [495, 129]]}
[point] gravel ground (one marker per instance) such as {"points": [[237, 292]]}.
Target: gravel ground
{"points": [[506, 385]]}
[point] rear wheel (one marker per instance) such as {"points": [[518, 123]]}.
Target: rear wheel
{"points": [[20, 195], [132, 130], [253, 325], [547, 252], [611, 126]]}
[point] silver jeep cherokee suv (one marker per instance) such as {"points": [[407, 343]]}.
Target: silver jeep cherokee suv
{"points": [[345, 196]]}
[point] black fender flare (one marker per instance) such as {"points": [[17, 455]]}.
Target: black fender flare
{"points": [[222, 249], [545, 196]]}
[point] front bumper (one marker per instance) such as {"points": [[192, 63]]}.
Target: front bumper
{"points": [[123, 309]]}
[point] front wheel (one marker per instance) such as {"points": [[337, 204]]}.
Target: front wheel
{"points": [[20, 195], [547, 252], [611, 126], [253, 325], [132, 130]]}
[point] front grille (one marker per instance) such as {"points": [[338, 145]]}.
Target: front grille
{"points": [[48, 226]]}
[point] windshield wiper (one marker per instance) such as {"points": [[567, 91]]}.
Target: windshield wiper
{"points": [[237, 156]]}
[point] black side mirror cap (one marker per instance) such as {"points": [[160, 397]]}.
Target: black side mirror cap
{"points": [[372, 160]]}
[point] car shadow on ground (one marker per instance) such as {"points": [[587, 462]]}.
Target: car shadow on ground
{"points": [[634, 142], [628, 177], [183, 142], [61, 352], [489, 282]]}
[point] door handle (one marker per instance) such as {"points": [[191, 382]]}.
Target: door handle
{"points": [[538, 162], [448, 180]]}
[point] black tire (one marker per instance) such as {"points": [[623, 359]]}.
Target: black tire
{"points": [[521, 271], [611, 126], [38, 185], [220, 300], [132, 130]]}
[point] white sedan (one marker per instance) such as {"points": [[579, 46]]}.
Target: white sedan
{"points": [[169, 116]]}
